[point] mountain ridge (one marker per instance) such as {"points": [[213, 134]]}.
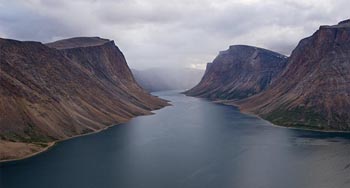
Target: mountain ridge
{"points": [[50, 94], [313, 90], [239, 72], [76, 42]]}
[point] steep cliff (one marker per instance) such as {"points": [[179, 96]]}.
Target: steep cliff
{"points": [[72, 87], [239, 72], [314, 89]]}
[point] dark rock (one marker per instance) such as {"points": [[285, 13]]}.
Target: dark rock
{"points": [[314, 89], [84, 85], [239, 72]]}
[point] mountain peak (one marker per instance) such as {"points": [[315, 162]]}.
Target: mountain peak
{"points": [[48, 94], [239, 72], [313, 89], [344, 22], [251, 49], [77, 42]]}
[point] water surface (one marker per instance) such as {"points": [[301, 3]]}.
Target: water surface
{"points": [[192, 144]]}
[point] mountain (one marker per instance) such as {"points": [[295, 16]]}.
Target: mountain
{"points": [[78, 42], [64, 89], [314, 89], [158, 79], [239, 72]]}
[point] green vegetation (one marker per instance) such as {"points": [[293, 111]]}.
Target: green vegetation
{"points": [[44, 145], [237, 94], [298, 117], [30, 136], [33, 136]]}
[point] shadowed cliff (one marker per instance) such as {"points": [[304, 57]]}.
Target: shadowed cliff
{"points": [[239, 72], [314, 89]]}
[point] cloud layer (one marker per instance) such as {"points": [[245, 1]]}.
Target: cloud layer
{"points": [[172, 33]]}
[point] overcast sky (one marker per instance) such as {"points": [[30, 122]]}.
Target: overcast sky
{"points": [[172, 33]]}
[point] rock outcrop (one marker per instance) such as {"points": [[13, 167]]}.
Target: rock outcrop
{"points": [[314, 90], [66, 88], [239, 72]]}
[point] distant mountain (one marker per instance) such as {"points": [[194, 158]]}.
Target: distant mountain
{"points": [[158, 79], [314, 90], [63, 89], [239, 72]]}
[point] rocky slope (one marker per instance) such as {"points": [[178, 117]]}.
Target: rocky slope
{"points": [[63, 89], [239, 72], [314, 90]]}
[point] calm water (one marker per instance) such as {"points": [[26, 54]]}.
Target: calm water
{"points": [[193, 143]]}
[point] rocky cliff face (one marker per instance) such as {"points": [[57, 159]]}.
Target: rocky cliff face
{"points": [[314, 89], [62, 89], [239, 72]]}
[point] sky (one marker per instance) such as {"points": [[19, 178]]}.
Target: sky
{"points": [[172, 33]]}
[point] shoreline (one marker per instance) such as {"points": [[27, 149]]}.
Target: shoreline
{"points": [[49, 146], [231, 103], [221, 102], [54, 143], [227, 103]]}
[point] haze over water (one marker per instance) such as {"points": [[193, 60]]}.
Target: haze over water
{"points": [[194, 143]]}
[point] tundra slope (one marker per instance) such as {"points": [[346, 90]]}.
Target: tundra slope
{"points": [[64, 89], [314, 89]]}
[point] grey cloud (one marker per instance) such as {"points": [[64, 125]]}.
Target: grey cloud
{"points": [[172, 33]]}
